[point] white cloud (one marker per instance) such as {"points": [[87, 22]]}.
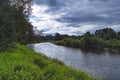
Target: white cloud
{"points": [[88, 15], [43, 20]]}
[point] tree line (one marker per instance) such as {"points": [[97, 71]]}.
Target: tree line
{"points": [[103, 38], [14, 22]]}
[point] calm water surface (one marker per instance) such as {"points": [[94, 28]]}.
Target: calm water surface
{"points": [[105, 64]]}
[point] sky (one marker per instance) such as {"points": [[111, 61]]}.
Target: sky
{"points": [[75, 17]]}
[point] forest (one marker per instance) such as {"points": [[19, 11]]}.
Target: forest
{"points": [[103, 38]]}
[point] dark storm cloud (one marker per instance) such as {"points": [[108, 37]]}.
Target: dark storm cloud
{"points": [[77, 12], [50, 3]]}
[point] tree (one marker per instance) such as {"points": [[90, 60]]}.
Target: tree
{"points": [[58, 36], [118, 35], [14, 22], [23, 28], [86, 42], [106, 33]]}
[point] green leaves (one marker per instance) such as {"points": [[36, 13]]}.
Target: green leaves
{"points": [[104, 38], [14, 22]]}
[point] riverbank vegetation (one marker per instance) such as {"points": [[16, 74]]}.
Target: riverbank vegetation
{"points": [[21, 63], [103, 38], [14, 23]]}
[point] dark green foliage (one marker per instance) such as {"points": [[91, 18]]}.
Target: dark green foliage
{"points": [[17, 68], [59, 37], [104, 38], [106, 33], [93, 42], [40, 63], [14, 22], [118, 35], [69, 42]]}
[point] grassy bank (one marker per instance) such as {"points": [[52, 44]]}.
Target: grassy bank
{"points": [[22, 63]]}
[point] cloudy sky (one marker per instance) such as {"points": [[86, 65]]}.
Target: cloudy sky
{"points": [[75, 17]]}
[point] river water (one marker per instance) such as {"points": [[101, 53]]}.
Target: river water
{"points": [[99, 63]]}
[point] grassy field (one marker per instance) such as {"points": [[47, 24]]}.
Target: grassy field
{"points": [[22, 63]]}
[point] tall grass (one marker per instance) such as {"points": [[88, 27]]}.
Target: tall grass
{"points": [[22, 63]]}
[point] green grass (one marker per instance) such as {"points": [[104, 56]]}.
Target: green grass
{"points": [[22, 63]]}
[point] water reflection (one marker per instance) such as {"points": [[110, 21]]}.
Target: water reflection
{"points": [[99, 51], [100, 63]]}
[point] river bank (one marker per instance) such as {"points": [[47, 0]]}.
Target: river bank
{"points": [[21, 63], [98, 63], [93, 43]]}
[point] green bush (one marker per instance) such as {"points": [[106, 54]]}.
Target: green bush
{"points": [[90, 42]]}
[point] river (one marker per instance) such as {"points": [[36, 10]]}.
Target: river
{"points": [[99, 63]]}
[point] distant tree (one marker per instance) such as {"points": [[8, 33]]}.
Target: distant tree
{"points": [[119, 33], [86, 40], [106, 33], [58, 36], [87, 34]]}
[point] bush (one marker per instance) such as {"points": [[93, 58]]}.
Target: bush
{"points": [[90, 42]]}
